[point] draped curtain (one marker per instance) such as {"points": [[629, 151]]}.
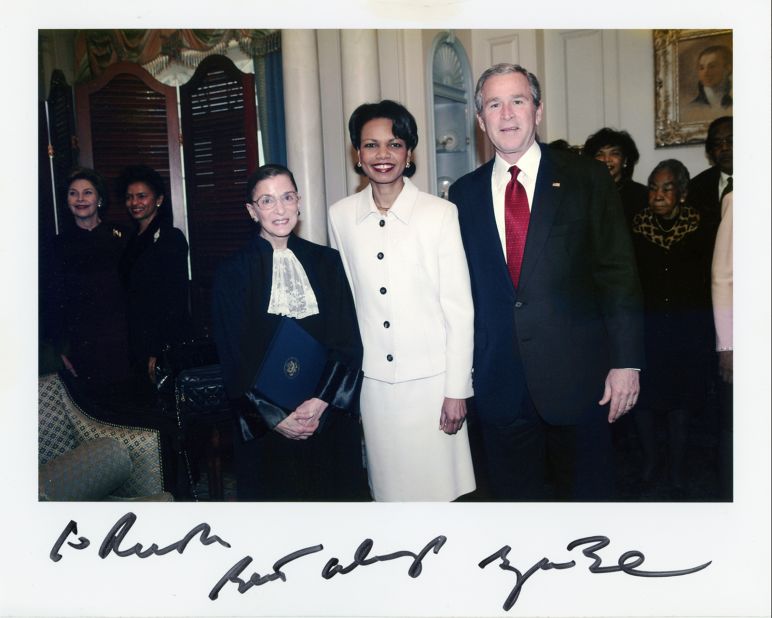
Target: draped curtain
{"points": [[156, 50], [270, 93], [172, 56]]}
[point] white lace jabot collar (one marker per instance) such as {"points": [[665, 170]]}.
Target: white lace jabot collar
{"points": [[291, 292]]}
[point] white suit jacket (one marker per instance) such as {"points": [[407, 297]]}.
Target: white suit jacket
{"points": [[410, 281]]}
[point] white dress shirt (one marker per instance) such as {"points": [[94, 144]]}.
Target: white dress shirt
{"points": [[723, 180], [529, 169]]}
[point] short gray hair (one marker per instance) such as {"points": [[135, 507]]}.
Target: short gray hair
{"points": [[505, 68], [679, 171]]}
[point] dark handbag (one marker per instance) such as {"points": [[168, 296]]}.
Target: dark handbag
{"points": [[201, 405], [176, 357], [200, 396]]}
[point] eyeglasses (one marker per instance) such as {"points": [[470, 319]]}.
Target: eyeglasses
{"points": [[269, 202]]}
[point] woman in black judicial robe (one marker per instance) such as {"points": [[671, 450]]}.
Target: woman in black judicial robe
{"points": [[154, 269], [284, 454]]}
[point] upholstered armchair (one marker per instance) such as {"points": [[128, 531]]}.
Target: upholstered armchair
{"points": [[83, 458]]}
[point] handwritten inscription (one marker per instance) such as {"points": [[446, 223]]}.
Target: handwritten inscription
{"points": [[115, 543], [112, 542], [627, 563], [333, 567], [233, 574]]}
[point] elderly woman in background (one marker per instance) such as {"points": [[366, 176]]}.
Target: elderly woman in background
{"points": [[673, 249], [404, 259], [286, 454], [85, 307], [617, 151], [154, 269]]}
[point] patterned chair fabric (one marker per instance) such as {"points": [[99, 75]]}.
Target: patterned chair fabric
{"points": [[55, 434], [63, 425], [90, 471]]}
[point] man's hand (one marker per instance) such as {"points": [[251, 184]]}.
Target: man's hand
{"points": [[452, 415], [622, 388]]}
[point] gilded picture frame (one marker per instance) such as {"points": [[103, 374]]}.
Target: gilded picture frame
{"points": [[684, 106]]}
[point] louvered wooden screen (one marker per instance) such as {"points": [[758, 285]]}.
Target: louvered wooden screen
{"points": [[127, 117], [58, 154], [61, 131], [219, 124]]}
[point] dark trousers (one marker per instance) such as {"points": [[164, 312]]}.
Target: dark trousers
{"points": [[532, 460]]}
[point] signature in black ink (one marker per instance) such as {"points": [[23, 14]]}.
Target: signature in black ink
{"points": [[114, 538], [628, 563], [332, 568], [256, 579]]}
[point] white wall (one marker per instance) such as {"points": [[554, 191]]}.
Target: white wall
{"points": [[590, 79], [636, 101]]}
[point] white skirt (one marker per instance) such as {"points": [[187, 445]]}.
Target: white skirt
{"points": [[409, 458]]}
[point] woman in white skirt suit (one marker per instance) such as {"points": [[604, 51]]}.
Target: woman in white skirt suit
{"points": [[402, 252]]}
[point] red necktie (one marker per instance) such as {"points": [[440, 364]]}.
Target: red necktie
{"points": [[516, 217]]}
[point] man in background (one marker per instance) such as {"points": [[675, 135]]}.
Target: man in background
{"points": [[707, 189]]}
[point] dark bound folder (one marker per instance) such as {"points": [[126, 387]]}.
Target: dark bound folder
{"points": [[291, 368]]}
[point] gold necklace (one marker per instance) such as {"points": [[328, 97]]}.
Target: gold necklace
{"points": [[659, 225], [675, 221]]}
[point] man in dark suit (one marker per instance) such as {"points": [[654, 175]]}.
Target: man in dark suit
{"points": [[708, 188], [558, 332]]}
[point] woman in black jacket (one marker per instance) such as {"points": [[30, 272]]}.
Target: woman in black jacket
{"points": [[618, 152], [673, 249], [313, 452], [154, 269], [83, 305]]}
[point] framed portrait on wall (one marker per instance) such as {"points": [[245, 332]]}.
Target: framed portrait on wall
{"points": [[693, 83]]}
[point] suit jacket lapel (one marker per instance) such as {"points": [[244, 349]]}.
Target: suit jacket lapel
{"points": [[546, 200], [494, 253]]}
